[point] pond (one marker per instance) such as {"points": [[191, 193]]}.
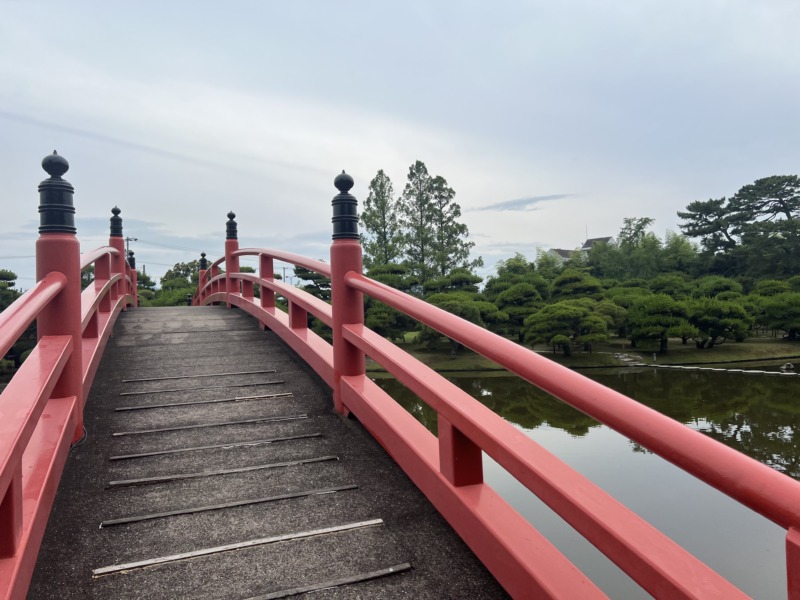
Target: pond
{"points": [[755, 414]]}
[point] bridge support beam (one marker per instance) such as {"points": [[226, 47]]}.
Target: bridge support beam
{"points": [[348, 304], [58, 250]]}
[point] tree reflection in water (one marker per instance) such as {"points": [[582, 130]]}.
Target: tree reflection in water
{"points": [[758, 415]]}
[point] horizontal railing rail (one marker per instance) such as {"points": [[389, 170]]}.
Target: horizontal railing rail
{"points": [[15, 319], [41, 408], [448, 466]]}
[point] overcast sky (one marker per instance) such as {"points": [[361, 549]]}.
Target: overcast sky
{"points": [[549, 119]]}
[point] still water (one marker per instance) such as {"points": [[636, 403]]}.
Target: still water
{"points": [[755, 414]]}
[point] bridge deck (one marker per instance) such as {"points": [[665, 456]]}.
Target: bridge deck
{"points": [[109, 512]]}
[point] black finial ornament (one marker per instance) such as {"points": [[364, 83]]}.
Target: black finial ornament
{"points": [[203, 261], [230, 229], [131, 260], [56, 210], [116, 223], [345, 209]]}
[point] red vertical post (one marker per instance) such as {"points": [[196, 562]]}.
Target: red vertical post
{"points": [[266, 270], [231, 261], [793, 563], [460, 459], [202, 277], [134, 278], [11, 515], [347, 303], [57, 249], [117, 242]]}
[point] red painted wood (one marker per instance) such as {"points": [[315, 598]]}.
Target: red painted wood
{"points": [[793, 563], [521, 559], [15, 319], [42, 465], [460, 459], [266, 272], [347, 308], [755, 485]]}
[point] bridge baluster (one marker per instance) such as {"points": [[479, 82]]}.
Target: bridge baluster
{"points": [[57, 249], [115, 240], [347, 303], [231, 261], [266, 270], [460, 459], [793, 563], [134, 278], [202, 277]]}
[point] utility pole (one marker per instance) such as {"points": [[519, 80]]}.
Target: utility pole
{"points": [[128, 241]]}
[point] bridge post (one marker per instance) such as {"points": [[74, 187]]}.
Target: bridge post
{"points": [[231, 262], [57, 249], [134, 278], [347, 304], [116, 241], [266, 270], [202, 276]]}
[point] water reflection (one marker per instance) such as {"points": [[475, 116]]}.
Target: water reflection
{"points": [[758, 415]]}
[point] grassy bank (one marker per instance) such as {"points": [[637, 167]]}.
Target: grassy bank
{"points": [[756, 351]]}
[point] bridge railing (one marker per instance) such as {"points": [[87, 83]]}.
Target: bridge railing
{"points": [[41, 408], [448, 467]]}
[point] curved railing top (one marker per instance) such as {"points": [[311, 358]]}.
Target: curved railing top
{"points": [[763, 489], [311, 264], [16, 318], [91, 256], [447, 469], [48, 392]]}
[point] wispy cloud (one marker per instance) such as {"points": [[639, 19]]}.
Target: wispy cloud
{"points": [[523, 204]]}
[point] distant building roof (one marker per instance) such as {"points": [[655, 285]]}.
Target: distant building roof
{"points": [[561, 253], [592, 241]]}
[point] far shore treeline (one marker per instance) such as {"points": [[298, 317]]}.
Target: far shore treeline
{"points": [[731, 273]]}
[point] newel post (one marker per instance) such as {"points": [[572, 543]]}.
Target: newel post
{"points": [[231, 262], [116, 241], [134, 278], [202, 276], [57, 249], [347, 303]]}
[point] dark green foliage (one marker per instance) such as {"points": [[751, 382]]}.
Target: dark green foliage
{"points": [[718, 320], [782, 311], [382, 240], [656, 317], [576, 284]]}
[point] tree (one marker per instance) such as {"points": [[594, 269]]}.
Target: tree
{"points": [[461, 304], [656, 317], [383, 319], [8, 294], [755, 232], [565, 323], [782, 311], [718, 320], [434, 241], [518, 302], [416, 219], [576, 284], [382, 242]]}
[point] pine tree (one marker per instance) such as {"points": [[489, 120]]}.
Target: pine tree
{"points": [[434, 241], [381, 239]]}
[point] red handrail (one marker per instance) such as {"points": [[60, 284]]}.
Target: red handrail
{"points": [[91, 256], [311, 264], [15, 319], [761, 488], [467, 427]]}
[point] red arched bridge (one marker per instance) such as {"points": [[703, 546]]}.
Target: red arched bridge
{"points": [[259, 489]]}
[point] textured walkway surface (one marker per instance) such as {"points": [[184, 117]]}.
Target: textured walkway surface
{"points": [[199, 481]]}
